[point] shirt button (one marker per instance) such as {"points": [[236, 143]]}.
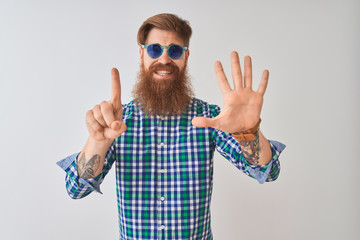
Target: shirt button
{"points": [[162, 227], [162, 144], [162, 171], [162, 198], [162, 118]]}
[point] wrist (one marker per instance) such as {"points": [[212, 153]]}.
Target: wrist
{"points": [[249, 134], [94, 146]]}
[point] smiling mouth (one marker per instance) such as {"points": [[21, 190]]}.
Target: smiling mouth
{"points": [[163, 74]]}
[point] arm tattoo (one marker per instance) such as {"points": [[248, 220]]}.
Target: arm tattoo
{"points": [[251, 149], [88, 169]]}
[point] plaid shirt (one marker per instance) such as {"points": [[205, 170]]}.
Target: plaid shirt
{"points": [[164, 173]]}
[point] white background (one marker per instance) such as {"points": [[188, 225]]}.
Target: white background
{"points": [[55, 61]]}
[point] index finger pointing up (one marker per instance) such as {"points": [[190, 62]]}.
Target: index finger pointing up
{"points": [[115, 87]]}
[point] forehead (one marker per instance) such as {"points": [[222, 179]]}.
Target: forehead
{"points": [[164, 38]]}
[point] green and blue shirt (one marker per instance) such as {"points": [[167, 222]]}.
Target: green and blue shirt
{"points": [[164, 173]]}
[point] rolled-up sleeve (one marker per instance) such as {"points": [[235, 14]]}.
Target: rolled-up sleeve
{"points": [[79, 187], [269, 172], [228, 147]]}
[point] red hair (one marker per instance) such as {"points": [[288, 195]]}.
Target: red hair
{"points": [[167, 22]]}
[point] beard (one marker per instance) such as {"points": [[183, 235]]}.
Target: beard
{"points": [[168, 96]]}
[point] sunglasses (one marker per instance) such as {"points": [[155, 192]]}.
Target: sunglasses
{"points": [[156, 50]]}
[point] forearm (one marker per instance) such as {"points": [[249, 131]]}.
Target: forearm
{"points": [[258, 151], [90, 161]]}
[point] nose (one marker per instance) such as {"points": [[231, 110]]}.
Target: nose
{"points": [[164, 58]]}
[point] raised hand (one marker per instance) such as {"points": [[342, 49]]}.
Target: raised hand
{"points": [[242, 106], [104, 121]]}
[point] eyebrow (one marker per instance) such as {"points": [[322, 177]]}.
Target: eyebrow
{"points": [[168, 45]]}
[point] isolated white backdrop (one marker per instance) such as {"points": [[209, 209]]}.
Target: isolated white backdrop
{"points": [[55, 61]]}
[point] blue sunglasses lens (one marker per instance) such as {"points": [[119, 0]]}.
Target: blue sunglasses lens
{"points": [[154, 50], [174, 51]]}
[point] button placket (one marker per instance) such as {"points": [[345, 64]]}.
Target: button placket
{"points": [[161, 166]]}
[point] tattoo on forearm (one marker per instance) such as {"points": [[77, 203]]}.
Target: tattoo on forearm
{"points": [[251, 149], [88, 169]]}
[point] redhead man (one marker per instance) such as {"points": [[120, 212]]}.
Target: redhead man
{"points": [[163, 141]]}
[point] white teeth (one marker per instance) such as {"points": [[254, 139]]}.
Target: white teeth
{"points": [[163, 72]]}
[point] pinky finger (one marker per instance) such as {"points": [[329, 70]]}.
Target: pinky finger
{"points": [[264, 82]]}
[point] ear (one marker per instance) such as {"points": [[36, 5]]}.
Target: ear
{"points": [[187, 54], [141, 53]]}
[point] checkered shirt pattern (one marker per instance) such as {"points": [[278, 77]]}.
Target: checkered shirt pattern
{"points": [[164, 173]]}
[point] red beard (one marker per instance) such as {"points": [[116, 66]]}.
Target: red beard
{"points": [[163, 97]]}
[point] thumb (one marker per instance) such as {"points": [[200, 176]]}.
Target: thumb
{"points": [[115, 125], [116, 129], [202, 122]]}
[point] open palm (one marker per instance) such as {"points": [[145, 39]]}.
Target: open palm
{"points": [[242, 105]]}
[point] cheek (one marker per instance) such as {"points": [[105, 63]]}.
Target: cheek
{"points": [[147, 61], [180, 65], [144, 60]]}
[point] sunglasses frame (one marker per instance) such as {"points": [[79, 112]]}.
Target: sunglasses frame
{"points": [[162, 50]]}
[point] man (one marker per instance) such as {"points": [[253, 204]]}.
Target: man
{"points": [[164, 140]]}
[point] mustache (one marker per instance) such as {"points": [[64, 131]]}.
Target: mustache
{"points": [[171, 67]]}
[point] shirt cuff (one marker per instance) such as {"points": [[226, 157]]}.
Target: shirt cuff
{"points": [[261, 173], [69, 166]]}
